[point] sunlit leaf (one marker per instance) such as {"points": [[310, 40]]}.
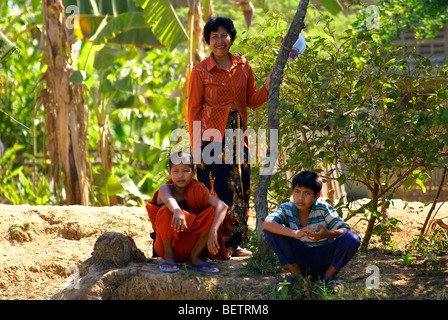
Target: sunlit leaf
{"points": [[332, 6], [123, 23], [104, 58], [164, 21]]}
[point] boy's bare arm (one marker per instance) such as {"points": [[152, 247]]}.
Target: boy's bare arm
{"points": [[220, 211], [220, 214], [165, 196]]}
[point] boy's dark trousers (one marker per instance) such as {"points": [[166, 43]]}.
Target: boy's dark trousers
{"points": [[314, 261]]}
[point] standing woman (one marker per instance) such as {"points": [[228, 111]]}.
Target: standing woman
{"points": [[221, 88]]}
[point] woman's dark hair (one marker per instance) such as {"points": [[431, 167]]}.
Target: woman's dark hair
{"points": [[214, 23], [308, 179]]}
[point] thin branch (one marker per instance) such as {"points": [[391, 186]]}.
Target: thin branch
{"points": [[439, 191], [393, 185]]}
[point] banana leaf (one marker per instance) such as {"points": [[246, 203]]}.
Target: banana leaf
{"points": [[128, 23], [125, 23], [166, 24], [129, 27], [332, 6], [102, 7]]}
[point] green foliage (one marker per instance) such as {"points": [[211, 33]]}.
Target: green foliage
{"points": [[429, 245], [305, 288], [359, 110], [130, 92], [385, 227], [406, 259], [331, 6], [424, 17], [128, 25], [19, 184], [135, 91], [18, 95], [166, 25], [370, 111], [22, 167], [117, 22], [349, 106], [259, 264]]}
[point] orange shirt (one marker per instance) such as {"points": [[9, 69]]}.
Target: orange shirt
{"points": [[199, 218], [213, 91], [196, 197]]}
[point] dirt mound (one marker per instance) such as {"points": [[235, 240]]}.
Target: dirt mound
{"points": [[119, 270], [40, 244]]}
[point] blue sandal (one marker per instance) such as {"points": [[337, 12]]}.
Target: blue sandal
{"points": [[200, 266], [172, 270]]}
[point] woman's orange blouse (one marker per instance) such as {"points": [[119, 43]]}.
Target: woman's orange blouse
{"points": [[213, 91]]}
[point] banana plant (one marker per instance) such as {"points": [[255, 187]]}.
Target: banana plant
{"points": [[332, 6], [66, 122], [147, 24], [165, 23]]}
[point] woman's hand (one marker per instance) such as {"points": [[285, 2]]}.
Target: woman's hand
{"points": [[267, 83]]}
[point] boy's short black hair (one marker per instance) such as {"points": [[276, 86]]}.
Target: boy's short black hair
{"points": [[214, 23], [176, 158], [308, 179]]}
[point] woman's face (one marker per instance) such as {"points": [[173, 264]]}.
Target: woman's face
{"points": [[220, 42]]}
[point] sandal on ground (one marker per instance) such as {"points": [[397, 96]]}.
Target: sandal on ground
{"points": [[172, 270], [200, 267], [334, 282]]}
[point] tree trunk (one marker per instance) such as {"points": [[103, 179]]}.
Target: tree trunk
{"points": [[436, 199], [372, 219], [260, 195], [67, 115]]}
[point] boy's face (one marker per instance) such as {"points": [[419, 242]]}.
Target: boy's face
{"points": [[181, 174], [304, 197]]}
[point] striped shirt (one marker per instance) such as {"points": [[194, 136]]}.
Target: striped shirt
{"points": [[321, 212]]}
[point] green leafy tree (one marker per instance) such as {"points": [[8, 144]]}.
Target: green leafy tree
{"points": [[374, 114], [424, 17]]}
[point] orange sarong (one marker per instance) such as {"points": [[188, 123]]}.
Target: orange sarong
{"points": [[183, 242], [199, 217]]}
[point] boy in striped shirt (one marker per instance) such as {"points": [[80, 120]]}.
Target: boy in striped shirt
{"points": [[307, 235]]}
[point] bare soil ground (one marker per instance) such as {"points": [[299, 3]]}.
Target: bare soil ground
{"points": [[38, 245]]}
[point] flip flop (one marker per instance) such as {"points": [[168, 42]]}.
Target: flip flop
{"points": [[200, 266], [169, 270], [334, 282]]}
